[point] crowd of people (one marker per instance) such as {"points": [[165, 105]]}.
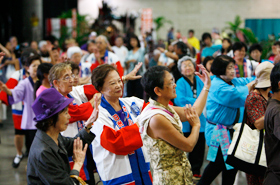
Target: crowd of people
{"points": [[137, 110]]}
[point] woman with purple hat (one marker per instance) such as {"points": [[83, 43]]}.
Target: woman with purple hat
{"points": [[48, 158]]}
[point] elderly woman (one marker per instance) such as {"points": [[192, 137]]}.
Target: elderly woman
{"points": [[117, 148], [62, 79], [227, 94], [188, 88], [243, 67], [161, 127], [48, 157], [256, 103]]}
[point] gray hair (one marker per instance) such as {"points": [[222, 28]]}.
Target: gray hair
{"points": [[185, 58], [103, 38]]}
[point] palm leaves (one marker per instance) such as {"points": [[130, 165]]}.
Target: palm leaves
{"points": [[161, 21]]}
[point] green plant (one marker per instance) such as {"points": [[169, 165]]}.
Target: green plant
{"points": [[161, 21], [234, 27], [249, 36]]}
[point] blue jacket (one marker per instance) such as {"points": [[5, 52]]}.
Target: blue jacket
{"points": [[223, 102], [185, 96]]}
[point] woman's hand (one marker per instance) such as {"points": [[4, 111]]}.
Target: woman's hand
{"points": [[191, 116], [161, 49], [94, 115], [132, 74], [4, 88], [79, 153], [1, 56], [205, 76]]}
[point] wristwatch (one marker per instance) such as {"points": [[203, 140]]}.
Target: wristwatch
{"points": [[205, 89]]}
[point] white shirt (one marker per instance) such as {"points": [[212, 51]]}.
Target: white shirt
{"points": [[121, 52]]}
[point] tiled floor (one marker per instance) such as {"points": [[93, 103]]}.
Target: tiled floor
{"points": [[11, 176]]}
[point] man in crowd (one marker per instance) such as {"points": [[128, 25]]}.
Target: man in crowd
{"points": [[192, 40], [272, 127], [106, 55], [209, 49], [120, 50]]}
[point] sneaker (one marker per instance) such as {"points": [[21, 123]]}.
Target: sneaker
{"points": [[196, 177], [17, 161]]}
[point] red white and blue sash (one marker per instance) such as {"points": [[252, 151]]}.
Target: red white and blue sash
{"points": [[140, 169]]}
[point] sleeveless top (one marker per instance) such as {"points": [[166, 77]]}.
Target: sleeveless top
{"points": [[170, 165]]}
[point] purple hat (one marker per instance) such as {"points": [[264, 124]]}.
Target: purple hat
{"points": [[49, 103]]}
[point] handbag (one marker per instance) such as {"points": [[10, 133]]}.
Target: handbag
{"points": [[246, 151]]}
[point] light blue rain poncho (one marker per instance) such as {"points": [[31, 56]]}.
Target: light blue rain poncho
{"points": [[222, 105]]}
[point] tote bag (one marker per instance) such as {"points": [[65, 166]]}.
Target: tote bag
{"points": [[246, 152]]}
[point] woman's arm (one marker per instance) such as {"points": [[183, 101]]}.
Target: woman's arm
{"points": [[199, 104], [4, 88], [49, 170], [5, 50], [161, 127], [80, 112], [169, 54], [121, 142], [259, 124]]}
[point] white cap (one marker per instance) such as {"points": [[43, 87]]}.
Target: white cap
{"points": [[42, 43], [92, 34], [72, 50]]}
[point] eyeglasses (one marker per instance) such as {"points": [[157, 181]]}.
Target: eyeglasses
{"points": [[171, 83], [67, 78]]}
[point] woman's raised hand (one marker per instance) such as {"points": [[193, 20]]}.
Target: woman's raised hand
{"points": [[132, 74], [2, 54], [94, 115], [205, 76], [78, 152], [191, 115], [3, 87]]}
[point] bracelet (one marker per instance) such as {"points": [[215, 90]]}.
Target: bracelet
{"points": [[81, 181], [123, 78], [88, 128], [205, 89]]}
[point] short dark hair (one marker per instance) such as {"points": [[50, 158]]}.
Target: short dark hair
{"points": [[220, 64], [44, 125], [74, 66], [229, 48], [99, 74], [192, 31], [239, 46], [206, 60], [26, 53], [54, 48], [154, 77], [255, 47], [133, 37], [277, 43], [43, 68], [119, 36], [31, 59], [205, 36], [275, 78], [184, 48]]}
